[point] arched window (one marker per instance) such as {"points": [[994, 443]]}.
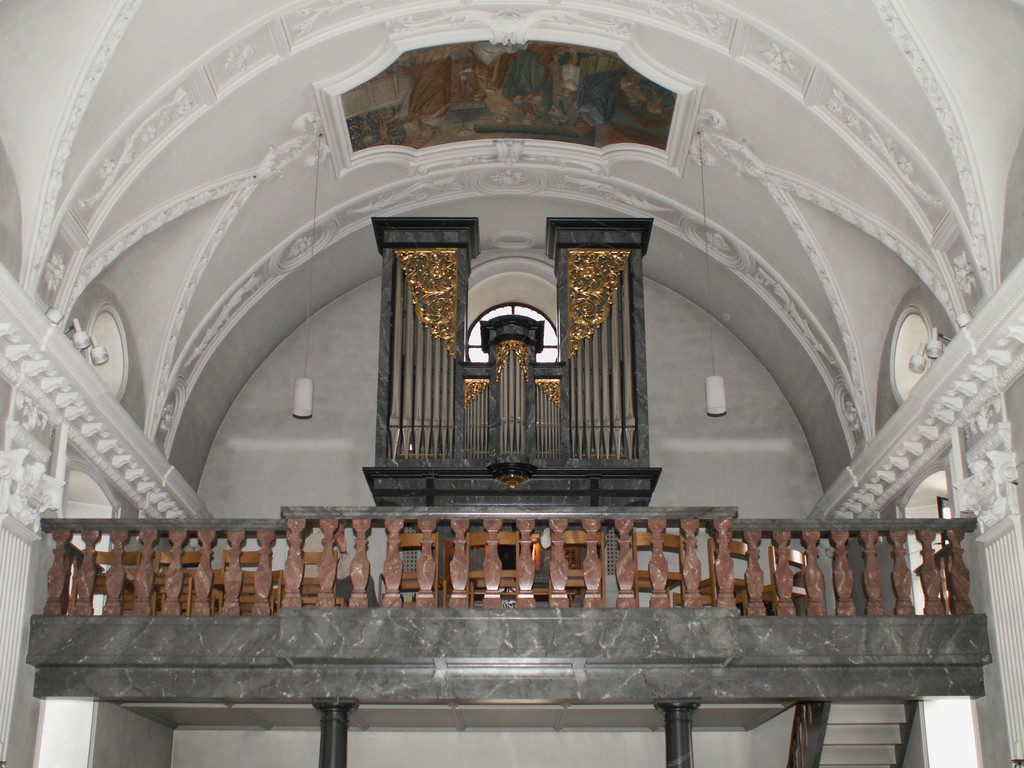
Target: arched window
{"points": [[474, 347]]}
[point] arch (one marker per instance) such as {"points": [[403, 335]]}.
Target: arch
{"points": [[10, 217]]}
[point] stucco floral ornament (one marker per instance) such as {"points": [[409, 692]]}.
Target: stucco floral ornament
{"points": [[30, 492], [988, 490]]}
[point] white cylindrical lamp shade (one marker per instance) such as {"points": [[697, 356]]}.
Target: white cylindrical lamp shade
{"points": [[714, 395], [302, 400]]}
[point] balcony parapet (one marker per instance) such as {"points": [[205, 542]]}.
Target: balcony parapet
{"points": [[622, 605]]}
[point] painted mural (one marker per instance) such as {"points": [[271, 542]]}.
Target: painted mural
{"points": [[483, 90]]}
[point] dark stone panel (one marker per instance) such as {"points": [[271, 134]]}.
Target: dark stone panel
{"points": [[540, 655]]}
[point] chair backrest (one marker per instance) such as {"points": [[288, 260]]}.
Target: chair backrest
{"points": [[576, 553], [409, 583], [672, 545], [740, 554]]}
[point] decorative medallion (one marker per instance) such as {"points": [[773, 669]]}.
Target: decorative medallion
{"points": [[552, 388], [432, 276], [472, 389], [522, 352], [593, 281]]}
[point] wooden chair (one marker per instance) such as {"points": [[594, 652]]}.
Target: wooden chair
{"points": [[247, 595], [576, 553], [740, 554], [409, 582], [476, 545], [797, 560], [310, 587], [673, 547]]}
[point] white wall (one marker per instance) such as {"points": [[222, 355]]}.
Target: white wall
{"points": [[755, 457], [764, 746]]}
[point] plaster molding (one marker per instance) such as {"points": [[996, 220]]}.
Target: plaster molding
{"points": [[513, 178], [119, 21], [739, 155], [981, 362], [978, 220], [274, 38], [40, 362]]}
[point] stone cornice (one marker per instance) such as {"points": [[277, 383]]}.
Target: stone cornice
{"points": [[981, 362], [40, 361]]}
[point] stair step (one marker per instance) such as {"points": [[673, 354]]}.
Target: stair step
{"points": [[879, 714], [863, 754], [861, 733]]}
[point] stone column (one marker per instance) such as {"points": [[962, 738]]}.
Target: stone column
{"points": [[678, 731], [334, 731]]}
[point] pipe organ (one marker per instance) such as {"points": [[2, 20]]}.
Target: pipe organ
{"points": [[455, 431]]}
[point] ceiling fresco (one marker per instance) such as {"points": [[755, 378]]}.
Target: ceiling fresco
{"points": [[484, 90]]}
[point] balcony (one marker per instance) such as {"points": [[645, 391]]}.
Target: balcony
{"points": [[511, 604]]}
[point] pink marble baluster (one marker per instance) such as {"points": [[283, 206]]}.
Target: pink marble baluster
{"points": [[174, 576], [690, 564], [814, 578], [327, 568], [360, 565], [524, 565], [144, 575], [392, 569], [754, 576], [593, 569], [492, 565], [625, 569], [902, 581], [872, 579], [85, 585], [426, 571], [930, 582], [959, 576], [263, 581], [115, 574], [725, 574], [842, 575], [58, 575], [558, 565], [204, 573], [233, 575], [458, 568], [658, 567], [294, 564], [783, 575]]}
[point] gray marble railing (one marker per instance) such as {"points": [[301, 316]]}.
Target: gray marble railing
{"points": [[522, 557]]}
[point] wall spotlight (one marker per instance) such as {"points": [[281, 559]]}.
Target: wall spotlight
{"points": [[98, 353], [963, 319], [936, 344], [918, 362], [79, 338]]}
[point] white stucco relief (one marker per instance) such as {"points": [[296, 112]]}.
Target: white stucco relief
{"points": [[978, 219], [120, 20], [292, 31], [507, 167]]}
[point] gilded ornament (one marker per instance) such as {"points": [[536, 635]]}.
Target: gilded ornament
{"points": [[552, 388], [472, 389], [432, 277], [593, 280], [506, 348]]}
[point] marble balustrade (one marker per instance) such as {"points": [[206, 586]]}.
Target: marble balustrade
{"points": [[665, 558]]}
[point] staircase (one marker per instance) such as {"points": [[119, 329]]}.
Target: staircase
{"points": [[867, 735]]}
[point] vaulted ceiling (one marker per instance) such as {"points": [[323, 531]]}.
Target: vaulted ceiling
{"points": [[853, 153]]}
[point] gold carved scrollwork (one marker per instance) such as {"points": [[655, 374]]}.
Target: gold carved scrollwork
{"points": [[472, 389], [506, 348], [432, 276], [593, 281], [552, 388]]}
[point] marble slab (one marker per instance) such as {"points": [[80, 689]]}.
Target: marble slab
{"points": [[568, 655]]}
